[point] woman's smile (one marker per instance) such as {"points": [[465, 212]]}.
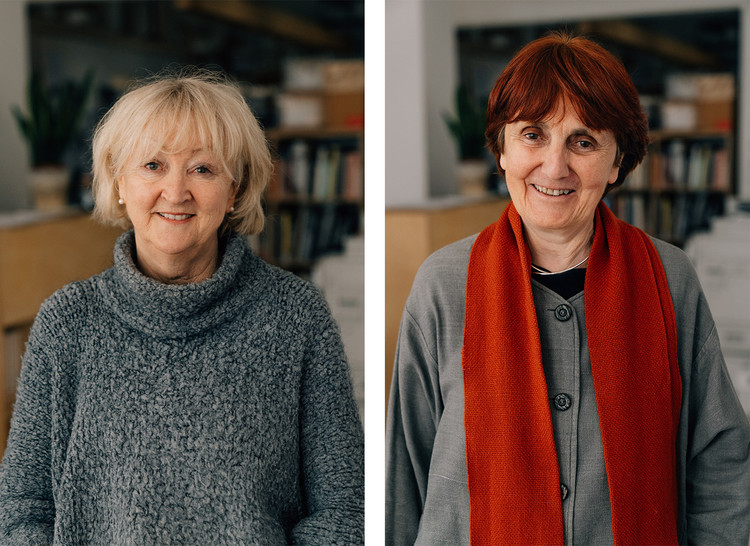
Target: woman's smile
{"points": [[176, 203], [557, 170], [552, 192], [175, 216]]}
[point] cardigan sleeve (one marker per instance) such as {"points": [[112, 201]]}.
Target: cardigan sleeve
{"points": [[718, 454], [331, 442], [410, 433], [714, 435], [27, 510]]}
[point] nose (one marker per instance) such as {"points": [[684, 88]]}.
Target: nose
{"points": [[555, 162], [175, 187]]}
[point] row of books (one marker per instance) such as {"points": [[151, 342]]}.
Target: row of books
{"points": [[671, 218], [302, 233], [324, 171], [684, 165]]}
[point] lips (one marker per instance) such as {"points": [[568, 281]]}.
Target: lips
{"points": [[170, 216], [550, 191]]}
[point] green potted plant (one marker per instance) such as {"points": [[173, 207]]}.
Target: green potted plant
{"points": [[467, 128], [50, 125]]}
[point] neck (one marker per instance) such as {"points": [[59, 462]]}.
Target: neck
{"points": [[555, 251], [178, 269]]}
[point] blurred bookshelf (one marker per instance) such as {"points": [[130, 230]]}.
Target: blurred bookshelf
{"points": [[688, 173], [315, 199]]}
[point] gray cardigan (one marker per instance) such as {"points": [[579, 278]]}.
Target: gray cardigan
{"points": [[427, 499], [219, 412]]}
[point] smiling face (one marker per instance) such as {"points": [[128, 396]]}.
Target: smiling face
{"points": [[176, 203], [557, 170]]}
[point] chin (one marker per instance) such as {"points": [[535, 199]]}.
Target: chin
{"points": [[173, 245], [172, 250], [547, 222]]}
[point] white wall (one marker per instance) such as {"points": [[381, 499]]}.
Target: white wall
{"points": [[405, 115], [13, 67], [431, 30]]}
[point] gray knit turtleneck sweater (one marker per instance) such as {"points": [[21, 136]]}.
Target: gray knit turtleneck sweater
{"points": [[213, 413]]}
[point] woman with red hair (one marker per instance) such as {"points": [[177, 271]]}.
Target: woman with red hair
{"points": [[558, 378]]}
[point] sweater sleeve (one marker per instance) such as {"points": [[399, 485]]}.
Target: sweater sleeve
{"points": [[410, 433], [27, 510], [331, 441]]}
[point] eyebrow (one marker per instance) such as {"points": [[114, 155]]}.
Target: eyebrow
{"points": [[584, 132], [578, 131]]}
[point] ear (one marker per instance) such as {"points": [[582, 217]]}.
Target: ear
{"points": [[615, 172], [120, 189], [232, 196], [502, 162]]}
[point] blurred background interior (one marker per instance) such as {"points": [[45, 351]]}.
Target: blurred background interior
{"points": [[301, 67], [691, 66]]}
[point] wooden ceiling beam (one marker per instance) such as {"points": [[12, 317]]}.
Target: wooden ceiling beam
{"points": [[268, 20], [632, 35]]}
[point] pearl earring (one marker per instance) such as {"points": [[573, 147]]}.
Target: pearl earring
{"points": [[231, 209], [121, 201]]}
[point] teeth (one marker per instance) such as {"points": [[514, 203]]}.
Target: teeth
{"points": [[175, 216], [548, 191]]}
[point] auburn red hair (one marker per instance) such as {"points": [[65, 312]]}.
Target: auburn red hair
{"points": [[560, 66]]}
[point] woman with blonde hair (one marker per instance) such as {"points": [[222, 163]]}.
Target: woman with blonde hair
{"points": [[192, 393]]}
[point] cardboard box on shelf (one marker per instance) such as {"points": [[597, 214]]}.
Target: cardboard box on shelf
{"points": [[344, 109], [718, 87], [344, 76], [715, 87], [715, 115], [323, 93]]}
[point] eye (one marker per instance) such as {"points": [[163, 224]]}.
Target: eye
{"points": [[584, 144], [531, 133], [203, 169], [152, 166]]}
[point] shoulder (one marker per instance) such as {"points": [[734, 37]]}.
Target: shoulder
{"points": [[285, 284], [446, 266], [695, 324], [682, 279], [290, 293], [64, 314], [72, 300], [440, 282]]}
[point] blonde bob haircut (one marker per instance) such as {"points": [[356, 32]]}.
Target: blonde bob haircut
{"points": [[167, 114]]}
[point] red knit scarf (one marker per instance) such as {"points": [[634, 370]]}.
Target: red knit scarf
{"points": [[514, 483]]}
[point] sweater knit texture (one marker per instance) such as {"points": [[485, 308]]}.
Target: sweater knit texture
{"points": [[218, 412]]}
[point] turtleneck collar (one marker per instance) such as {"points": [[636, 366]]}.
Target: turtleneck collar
{"points": [[176, 310]]}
